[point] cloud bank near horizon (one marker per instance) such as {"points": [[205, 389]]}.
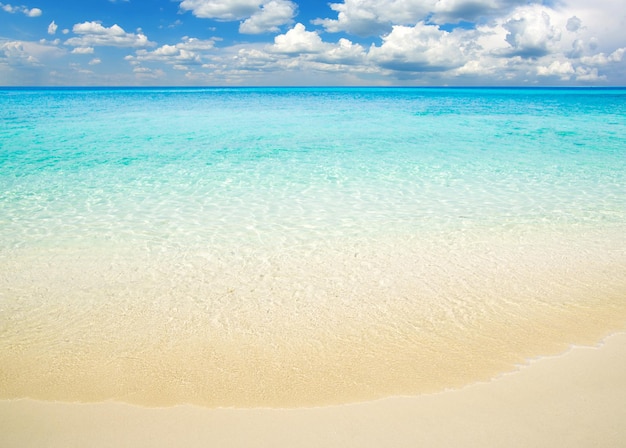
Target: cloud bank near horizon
{"points": [[282, 42]]}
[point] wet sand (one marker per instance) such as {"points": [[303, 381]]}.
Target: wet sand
{"points": [[341, 325], [574, 400]]}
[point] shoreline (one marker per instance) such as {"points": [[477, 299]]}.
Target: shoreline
{"points": [[574, 399], [347, 324]]}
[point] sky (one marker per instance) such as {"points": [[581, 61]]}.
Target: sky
{"points": [[298, 42]]}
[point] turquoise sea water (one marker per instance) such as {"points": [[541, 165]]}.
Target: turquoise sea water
{"points": [[171, 167], [316, 232]]}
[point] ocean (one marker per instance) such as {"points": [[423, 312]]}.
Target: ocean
{"points": [[282, 247]]}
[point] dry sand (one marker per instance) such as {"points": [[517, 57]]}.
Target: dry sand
{"points": [[574, 400]]}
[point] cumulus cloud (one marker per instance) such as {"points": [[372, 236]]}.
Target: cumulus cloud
{"points": [[455, 11], [252, 59], [94, 34], [16, 53], [195, 44], [421, 48], [270, 16], [563, 70], [345, 52], [227, 10], [370, 17], [187, 52], [24, 53], [524, 45], [30, 12], [402, 41], [51, 42], [603, 59], [260, 16], [374, 17], [317, 63], [588, 74], [298, 40], [82, 50], [530, 32], [297, 54], [147, 73], [169, 54]]}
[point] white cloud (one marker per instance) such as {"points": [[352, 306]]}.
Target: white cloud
{"points": [[329, 63], [252, 59], [51, 42], [260, 16], [164, 51], [563, 70], [94, 34], [499, 42], [485, 68], [603, 59], [180, 55], [24, 53], [30, 12], [95, 61], [345, 52], [16, 53], [370, 17], [194, 44], [298, 56], [35, 12], [530, 32], [602, 20], [271, 15], [221, 9], [422, 48], [147, 73], [523, 46], [588, 75], [82, 50], [454, 11], [175, 24], [298, 40], [187, 52], [374, 17]]}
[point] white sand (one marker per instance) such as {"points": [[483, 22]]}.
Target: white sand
{"points": [[574, 400]]}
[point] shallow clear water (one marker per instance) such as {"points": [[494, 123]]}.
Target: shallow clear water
{"points": [[302, 246]]}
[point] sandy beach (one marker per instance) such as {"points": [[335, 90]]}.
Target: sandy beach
{"points": [[574, 400]]}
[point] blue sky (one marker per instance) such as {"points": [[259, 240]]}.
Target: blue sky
{"points": [[293, 42]]}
